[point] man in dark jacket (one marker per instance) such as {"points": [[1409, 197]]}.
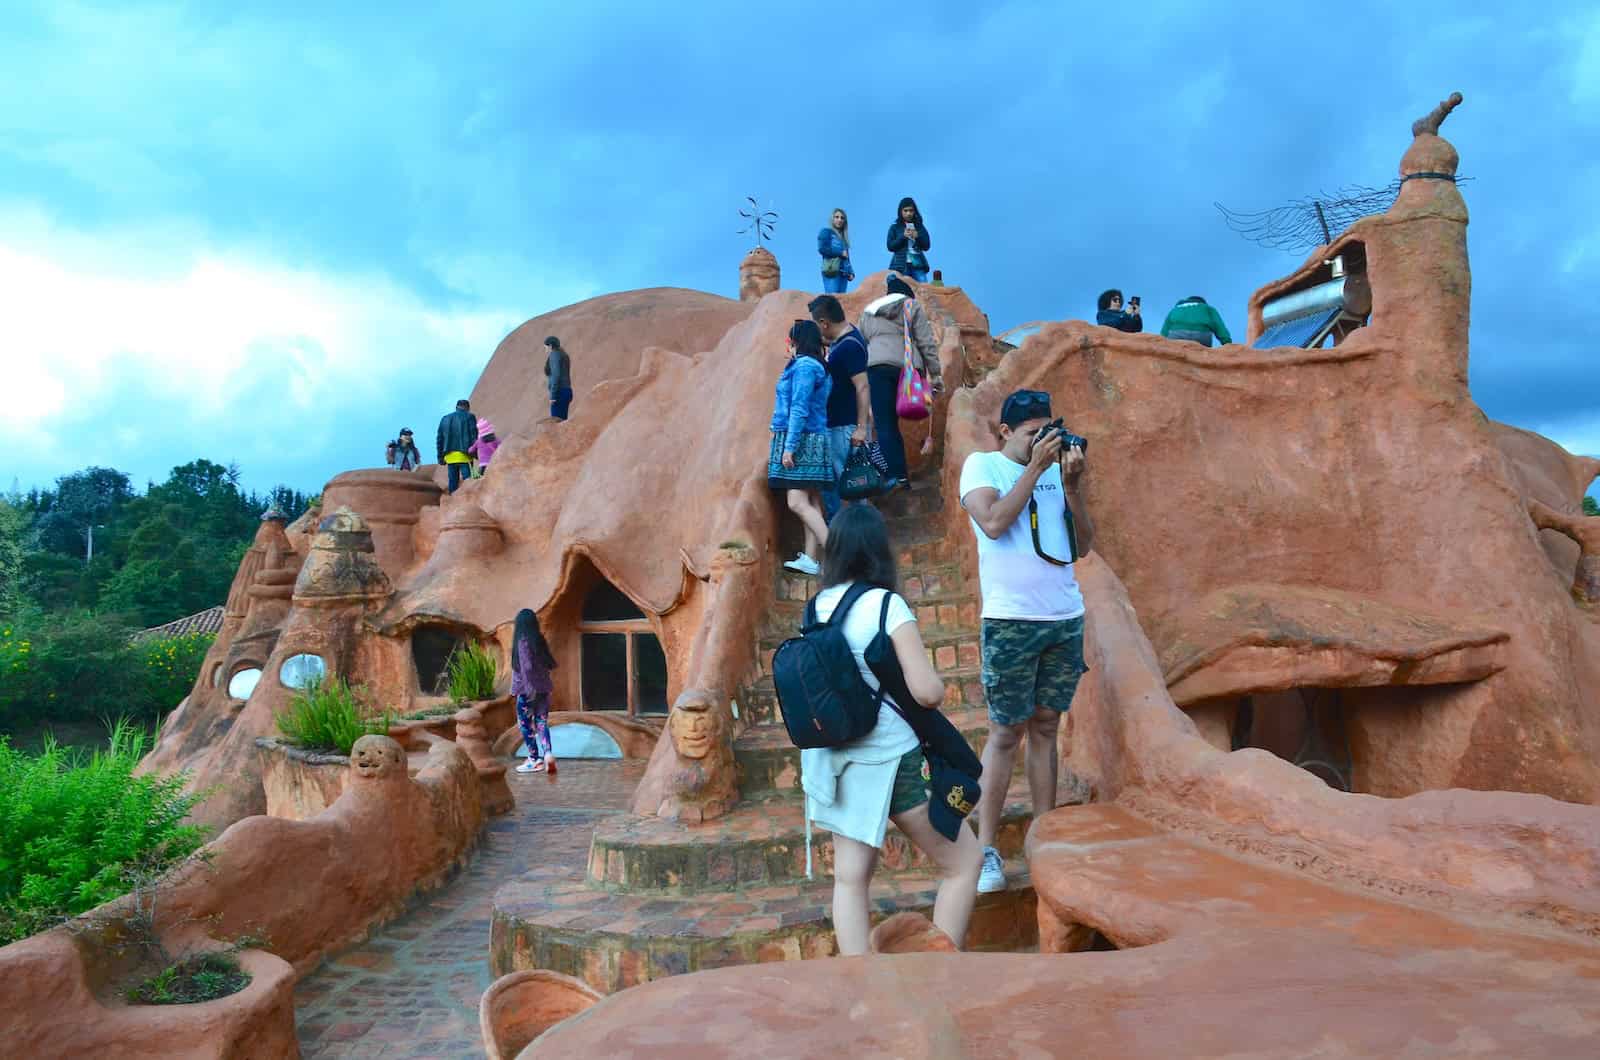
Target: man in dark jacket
{"points": [[1112, 316], [558, 375], [457, 431]]}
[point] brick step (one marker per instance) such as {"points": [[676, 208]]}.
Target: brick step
{"points": [[923, 499], [768, 761], [551, 919], [760, 843]]}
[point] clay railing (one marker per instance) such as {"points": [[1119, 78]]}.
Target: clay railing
{"points": [[1585, 530]]}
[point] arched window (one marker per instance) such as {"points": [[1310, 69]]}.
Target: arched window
{"points": [[624, 668]]}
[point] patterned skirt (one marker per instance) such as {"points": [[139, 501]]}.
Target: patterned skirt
{"points": [[813, 463]]}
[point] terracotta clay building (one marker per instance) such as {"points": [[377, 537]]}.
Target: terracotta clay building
{"points": [[1339, 717]]}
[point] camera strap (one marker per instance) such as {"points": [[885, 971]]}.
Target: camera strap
{"points": [[1072, 533]]}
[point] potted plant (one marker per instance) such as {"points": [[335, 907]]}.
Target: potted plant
{"points": [[304, 771]]}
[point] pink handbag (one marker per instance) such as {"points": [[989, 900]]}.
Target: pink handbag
{"points": [[913, 401]]}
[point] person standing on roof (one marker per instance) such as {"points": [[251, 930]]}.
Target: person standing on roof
{"points": [[558, 374], [483, 449], [1193, 320], [402, 452], [909, 242], [833, 243], [458, 431], [1111, 314]]}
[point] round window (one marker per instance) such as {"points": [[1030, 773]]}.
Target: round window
{"points": [[302, 671], [241, 684]]}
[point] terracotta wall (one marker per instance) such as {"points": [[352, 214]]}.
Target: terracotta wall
{"points": [[1503, 852]]}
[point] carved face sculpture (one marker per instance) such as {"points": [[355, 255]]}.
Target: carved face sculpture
{"points": [[377, 758], [694, 729]]}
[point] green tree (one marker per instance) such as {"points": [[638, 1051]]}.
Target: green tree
{"points": [[81, 500], [1590, 507], [13, 529]]}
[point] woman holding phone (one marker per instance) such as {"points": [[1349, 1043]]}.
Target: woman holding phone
{"points": [[909, 242]]}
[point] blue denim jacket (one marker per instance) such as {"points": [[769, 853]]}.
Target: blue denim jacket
{"points": [[831, 245], [800, 405]]}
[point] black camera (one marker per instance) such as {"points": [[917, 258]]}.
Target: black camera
{"points": [[1067, 437]]}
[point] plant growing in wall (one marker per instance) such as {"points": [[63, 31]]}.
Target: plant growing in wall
{"points": [[472, 670], [330, 716]]}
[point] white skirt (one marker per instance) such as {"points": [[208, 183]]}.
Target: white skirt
{"points": [[860, 807]]}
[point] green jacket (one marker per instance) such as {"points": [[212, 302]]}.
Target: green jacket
{"points": [[1196, 321]]}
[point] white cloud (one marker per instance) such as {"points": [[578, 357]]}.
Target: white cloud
{"points": [[93, 319]]}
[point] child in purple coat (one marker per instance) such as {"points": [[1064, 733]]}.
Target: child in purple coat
{"points": [[531, 663]]}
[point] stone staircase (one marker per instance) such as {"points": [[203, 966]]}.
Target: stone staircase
{"points": [[661, 898]]}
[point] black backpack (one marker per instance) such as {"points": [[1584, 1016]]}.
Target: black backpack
{"points": [[821, 694]]}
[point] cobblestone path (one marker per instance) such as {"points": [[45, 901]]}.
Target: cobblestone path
{"points": [[412, 989]]}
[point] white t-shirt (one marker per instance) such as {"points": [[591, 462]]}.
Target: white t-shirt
{"points": [[891, 737], [1016, 583]]}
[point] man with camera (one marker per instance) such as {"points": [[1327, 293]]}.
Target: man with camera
{"points": [[1031, 525]]}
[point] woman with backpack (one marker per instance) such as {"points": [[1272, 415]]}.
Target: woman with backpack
{"points": [[833, 243], [855, 789], [909, 242], [800, 461], [531, 663], [888, 325]]}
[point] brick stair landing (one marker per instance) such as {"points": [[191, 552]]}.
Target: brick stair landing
{"points": [[613, 941]]}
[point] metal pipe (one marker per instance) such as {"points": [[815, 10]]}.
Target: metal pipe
{"points": [[1301, 303]]}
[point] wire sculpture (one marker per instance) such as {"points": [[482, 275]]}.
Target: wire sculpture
{"points": [[1317, 221], [1310, 222], [761, 222]]}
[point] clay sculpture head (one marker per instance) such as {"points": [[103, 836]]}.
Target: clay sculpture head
{"points": [[695, 727], [377, 758]]}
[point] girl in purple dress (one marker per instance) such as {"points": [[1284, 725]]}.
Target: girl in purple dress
{"points": [[531, 663]]}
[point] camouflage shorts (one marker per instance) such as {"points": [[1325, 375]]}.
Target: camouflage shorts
{"points": [[910, 785], [1030, 664]]}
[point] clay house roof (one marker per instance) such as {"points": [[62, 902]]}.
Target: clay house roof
{"points": [[207, 621]]}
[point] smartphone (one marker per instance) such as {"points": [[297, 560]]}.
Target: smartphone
{"points": [[1134, 301]]}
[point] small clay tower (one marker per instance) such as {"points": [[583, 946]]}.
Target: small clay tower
{"points": [[758, 275]]}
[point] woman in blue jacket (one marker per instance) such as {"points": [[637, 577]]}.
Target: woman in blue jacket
{"points": [[909, 242], [833, 243], [800, 462]]}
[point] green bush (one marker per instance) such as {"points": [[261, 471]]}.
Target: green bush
{"points": [[83, 667], [74, 667], [77, 830], [330, 716], [472, 672], [203, 977], [169, 668]]}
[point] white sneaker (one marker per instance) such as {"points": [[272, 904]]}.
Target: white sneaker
{"points": [[993, 876], [530, 765], [804, 564]]}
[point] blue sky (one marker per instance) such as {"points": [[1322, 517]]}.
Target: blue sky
{"points": [[272, 233]]}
